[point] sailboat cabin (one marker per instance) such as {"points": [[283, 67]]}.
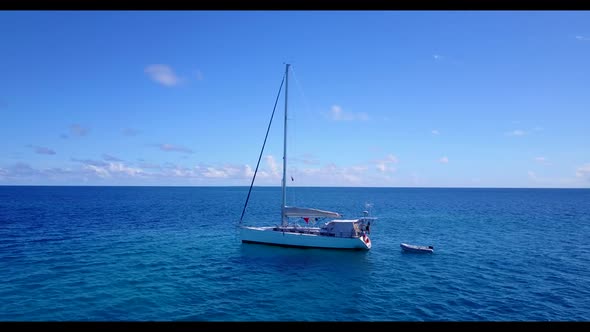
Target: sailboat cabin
{"points": [[344, 228]]}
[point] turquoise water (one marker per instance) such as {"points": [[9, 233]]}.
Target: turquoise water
{"points": [[173, 254]]}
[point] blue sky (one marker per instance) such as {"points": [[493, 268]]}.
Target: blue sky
{"points": [[376, 98]]}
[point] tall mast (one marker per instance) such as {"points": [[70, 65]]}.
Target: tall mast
{"points": [[284, 182]]}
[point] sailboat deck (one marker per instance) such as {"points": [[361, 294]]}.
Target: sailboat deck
{"points": [[300, 230]]}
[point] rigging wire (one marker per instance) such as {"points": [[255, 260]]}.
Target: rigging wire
{"points": [[295, 132], [262, 150], [300, 89], [308, 108], [293, 139]]}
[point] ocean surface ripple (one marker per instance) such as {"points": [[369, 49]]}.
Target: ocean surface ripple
{"points": [[173, 254]]}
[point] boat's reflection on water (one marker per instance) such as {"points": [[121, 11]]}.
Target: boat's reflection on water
{"points": [[321, 275], [285, 258]]}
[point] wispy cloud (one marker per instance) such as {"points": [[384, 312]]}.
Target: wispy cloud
{"points": [[117, 167], [199, 75], [331, 174], [583, 171], [207, 172], [542, 160], [109, 157], [435, 132], [532, 176], [113, 169], [130, 132], [173, 148], [20, 169], [582, 38], [306, 158], [92, 162], [272, 164], [581, 180], [523, 132], [24, 173], [223, 172], [149, 165], [78, 130], [108, 168], [337, 114], [443, 160], [384, 165], [41, 149], [517, 132], [162, 74], [97, 170], [446, 59], [361, 174]]}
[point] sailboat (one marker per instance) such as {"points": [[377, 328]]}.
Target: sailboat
{"points": [[337, 233]]}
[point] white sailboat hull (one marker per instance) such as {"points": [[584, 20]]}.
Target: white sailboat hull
{"points": [[270, 236]]}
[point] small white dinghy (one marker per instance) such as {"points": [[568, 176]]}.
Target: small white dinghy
{"points": [[414, 248]]}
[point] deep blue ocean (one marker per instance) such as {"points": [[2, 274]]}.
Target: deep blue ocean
{"points": [[173, 254]]}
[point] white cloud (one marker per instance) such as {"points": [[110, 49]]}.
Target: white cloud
{"points": [[78, 130], [215, 173], [248, 171], [359, 169], [381, 167], [162, 74], [582, 38], [337, 114], [384, 165], [199, 75], [541, 160], [270, 161], [118, 167], [522, 132], [175, 148], [516, 132], [583, 171], [331, 175], [443, 160], [435, 132], [100, 171], [112, 169], [532, 175], [182, 172], [391, 158], [42, 150], [437, 57], [228, 172], [99, 163], [563, 182], [306, 158]]}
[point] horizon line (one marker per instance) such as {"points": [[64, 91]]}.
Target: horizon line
{"points": [[275, 186]]}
